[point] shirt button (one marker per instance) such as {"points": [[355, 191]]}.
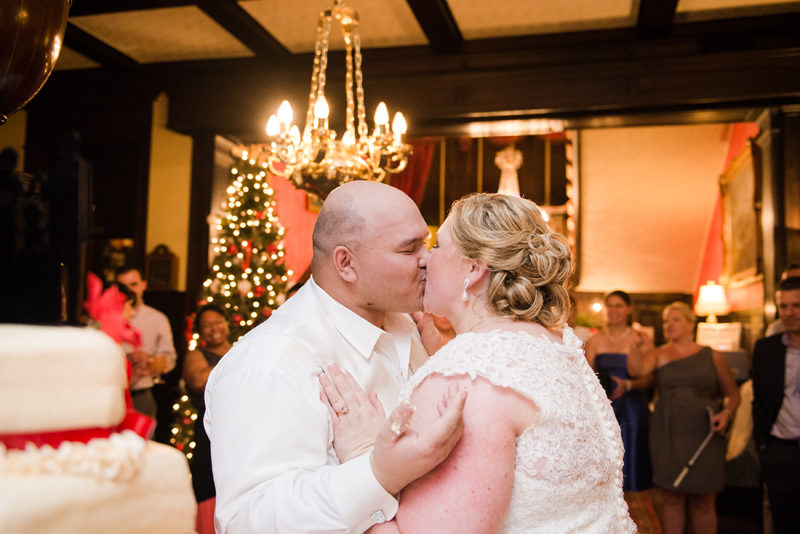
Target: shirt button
{"points": [[378, 517]]}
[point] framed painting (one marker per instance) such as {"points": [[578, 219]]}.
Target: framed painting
{"points": [[741, 217], [313, 203]]}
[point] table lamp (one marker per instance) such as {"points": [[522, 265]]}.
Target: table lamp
{"points": [[712, 302]]}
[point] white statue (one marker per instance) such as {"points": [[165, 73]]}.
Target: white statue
{"points": [[508, 161]]}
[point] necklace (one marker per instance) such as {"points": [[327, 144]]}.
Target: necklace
{"points": [[614, 339]]}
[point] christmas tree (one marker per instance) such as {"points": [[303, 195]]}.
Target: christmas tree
{"points": [[183, 426], [248, 275]]}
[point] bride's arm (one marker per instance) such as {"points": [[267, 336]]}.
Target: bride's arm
{"points": [[471, 490]]}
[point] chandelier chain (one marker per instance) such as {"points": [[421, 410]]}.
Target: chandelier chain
{"points": [[349, 88], [362, 111], [312, 97]]}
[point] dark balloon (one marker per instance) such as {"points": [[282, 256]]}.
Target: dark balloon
{"points": [[31, 36]]}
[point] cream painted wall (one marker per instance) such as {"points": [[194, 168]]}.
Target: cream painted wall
{"points": [[12, 134], [170, 186], [648, 196]]}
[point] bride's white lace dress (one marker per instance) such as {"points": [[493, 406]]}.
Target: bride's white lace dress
{"points": [[568, 472]]}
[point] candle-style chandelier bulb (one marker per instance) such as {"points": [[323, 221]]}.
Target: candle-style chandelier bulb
{"points": [[349, 138], [321, 110], [399, 125], [273, 126], [381, 115], [285, 113], [294, 133]]}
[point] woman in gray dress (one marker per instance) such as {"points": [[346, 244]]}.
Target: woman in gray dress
{"points": [[691, 379]]}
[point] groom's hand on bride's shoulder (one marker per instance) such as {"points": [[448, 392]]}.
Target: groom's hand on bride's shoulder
{"points": [[402, 455]]}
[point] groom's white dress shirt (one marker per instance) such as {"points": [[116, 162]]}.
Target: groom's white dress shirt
{"points": [[275, 468]]}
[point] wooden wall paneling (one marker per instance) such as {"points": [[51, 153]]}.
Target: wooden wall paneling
{"points": [[771, 155], [203, 150], [114, 118], [791, 184]]}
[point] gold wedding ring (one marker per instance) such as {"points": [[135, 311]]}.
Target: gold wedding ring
{"points": [[397, 429], [343, 411]]}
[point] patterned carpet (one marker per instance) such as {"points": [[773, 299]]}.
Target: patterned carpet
{"points": [[643, 513]]}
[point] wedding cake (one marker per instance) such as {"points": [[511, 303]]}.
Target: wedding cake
{"points": [[71, 460]]}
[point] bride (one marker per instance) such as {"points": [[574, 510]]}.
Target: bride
{"points": [[541, 448]]}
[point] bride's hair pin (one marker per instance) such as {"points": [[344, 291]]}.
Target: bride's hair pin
{"points": [[464, 294]]}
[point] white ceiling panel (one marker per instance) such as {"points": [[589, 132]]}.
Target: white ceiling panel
{"points": [[69, 59], [158, 35], [696, 10], [384, 23], [479, 19]]}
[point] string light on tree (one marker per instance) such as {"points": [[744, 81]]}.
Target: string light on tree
{"points": [[185, 419], [248, 274]]}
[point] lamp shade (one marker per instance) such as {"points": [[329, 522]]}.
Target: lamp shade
{"points": [[712, 302]]}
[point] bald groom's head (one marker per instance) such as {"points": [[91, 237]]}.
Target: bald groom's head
{"points": [[379, 234]]}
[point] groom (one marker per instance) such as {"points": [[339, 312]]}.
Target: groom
{"points": [[274, 464]]}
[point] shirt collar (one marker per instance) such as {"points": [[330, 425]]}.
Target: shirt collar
{"points": [[787, 341], [359, 332]]}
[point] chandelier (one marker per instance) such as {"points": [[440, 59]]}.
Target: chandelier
{"points": [[317, 161]]}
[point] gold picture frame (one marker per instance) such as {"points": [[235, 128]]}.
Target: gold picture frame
{"points": [[740, 189], [313, 203]]}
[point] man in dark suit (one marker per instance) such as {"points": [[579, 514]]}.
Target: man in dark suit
{"points": [[776, 410]]}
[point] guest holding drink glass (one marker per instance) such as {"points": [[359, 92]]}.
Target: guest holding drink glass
{"points": [[157, 349]]}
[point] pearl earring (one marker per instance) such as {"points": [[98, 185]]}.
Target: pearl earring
{"points": [[464, 294]]}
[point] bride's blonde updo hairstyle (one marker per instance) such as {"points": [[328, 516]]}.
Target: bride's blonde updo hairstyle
{"points": [[529, 263]]}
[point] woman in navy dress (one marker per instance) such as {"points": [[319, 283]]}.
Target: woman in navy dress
{"points": [[619, 355]]}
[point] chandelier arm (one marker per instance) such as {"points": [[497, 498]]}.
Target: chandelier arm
{"points": [[363, 131]]}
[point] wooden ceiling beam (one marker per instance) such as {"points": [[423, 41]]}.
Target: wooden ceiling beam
{"points": [[82, 8], [438, 24], [231, 16], [96, 50], [655, 17]]}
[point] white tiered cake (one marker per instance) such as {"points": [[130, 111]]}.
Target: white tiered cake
{"points": [[61, 381]]}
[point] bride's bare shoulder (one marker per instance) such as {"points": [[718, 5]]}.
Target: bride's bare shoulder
{"points": [[489, 407]]}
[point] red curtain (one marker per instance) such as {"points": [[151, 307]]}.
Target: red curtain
{"points": [[413, 179]]}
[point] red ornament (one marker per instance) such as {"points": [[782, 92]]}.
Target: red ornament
{"points": [[271, 248], [237, 318], [259, 291], [259, 215], [232, 249], [189, 328], [186, 420], [179, 446], [267, 311]]}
